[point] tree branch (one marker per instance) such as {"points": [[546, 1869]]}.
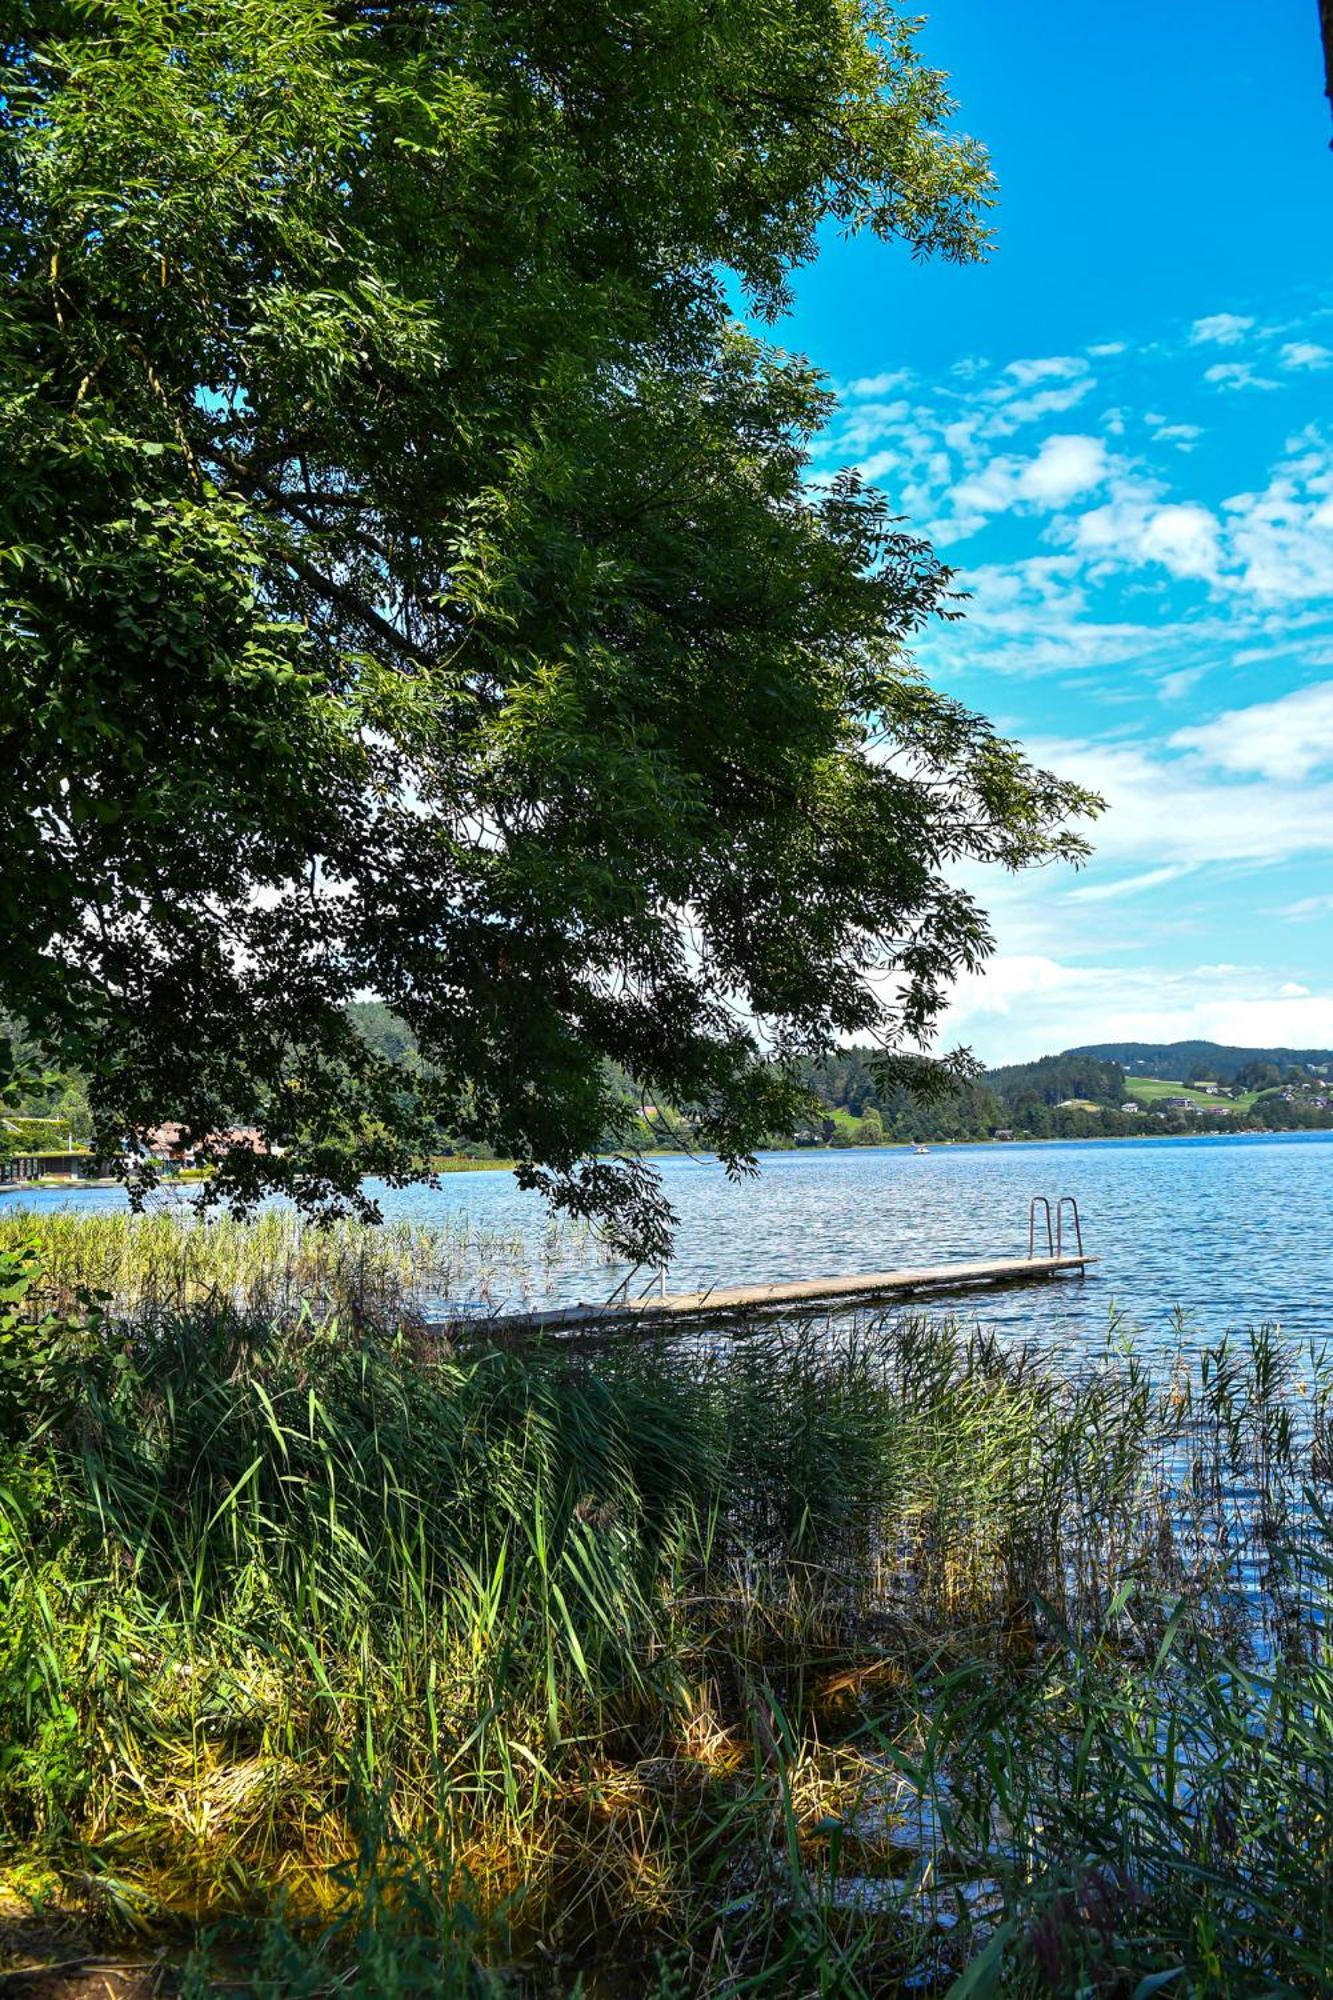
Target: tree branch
{"points": [[347, 600]]}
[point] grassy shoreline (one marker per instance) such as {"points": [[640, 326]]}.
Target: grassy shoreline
{"points": [[847, 1660]]}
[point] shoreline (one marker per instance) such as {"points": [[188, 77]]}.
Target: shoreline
{"points": [[466, 1166]]}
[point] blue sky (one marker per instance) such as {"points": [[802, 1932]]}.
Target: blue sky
{"points": [[1120, 433]]}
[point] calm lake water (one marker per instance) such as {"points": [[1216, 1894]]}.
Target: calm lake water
{"points": [[1229, 1231]]}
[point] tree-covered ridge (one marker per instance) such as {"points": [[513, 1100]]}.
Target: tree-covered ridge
{"points": [[1056, 1079], [1080, 1093], [855, 1097], [412, 582], [1187, 1062], [41, 1109]]}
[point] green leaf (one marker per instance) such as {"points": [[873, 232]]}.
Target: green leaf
{"points": [[983, 1973]]}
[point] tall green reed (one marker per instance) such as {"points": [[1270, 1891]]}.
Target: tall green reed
{"points": [[276, 1264], [810, 1658]]}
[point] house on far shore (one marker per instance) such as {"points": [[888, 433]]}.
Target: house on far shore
{"points": [[167, 1146], [18, 1168], [1005, 1133], [1130, 1104], [38, 1154]]}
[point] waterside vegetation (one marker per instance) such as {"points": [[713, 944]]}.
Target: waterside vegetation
{"points": [[277, 1269], [846, 1661]]}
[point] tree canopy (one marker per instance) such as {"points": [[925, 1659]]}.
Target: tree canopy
{"points": [[414, 582]]}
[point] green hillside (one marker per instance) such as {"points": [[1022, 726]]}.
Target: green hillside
{"points": [[1219, 1061], [1064, 1079], [1154, 1089]]}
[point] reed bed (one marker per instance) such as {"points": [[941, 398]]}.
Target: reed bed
{"points": [[171, 1260], [858, 1659]]}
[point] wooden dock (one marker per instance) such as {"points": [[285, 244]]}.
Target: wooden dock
{"points": [[803, 1295]]}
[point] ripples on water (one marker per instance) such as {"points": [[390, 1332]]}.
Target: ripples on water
{"points": [[1230, 1232]]}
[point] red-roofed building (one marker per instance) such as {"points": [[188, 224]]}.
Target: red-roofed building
{"points": [[168, 1144]]}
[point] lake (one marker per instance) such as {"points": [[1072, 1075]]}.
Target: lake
{"points": [[1232, 1231]]}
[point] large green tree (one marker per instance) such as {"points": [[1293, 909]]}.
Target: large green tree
{"points": [[413, 582]]}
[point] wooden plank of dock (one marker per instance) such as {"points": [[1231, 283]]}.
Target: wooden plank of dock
{"points": [[805, 1294]]}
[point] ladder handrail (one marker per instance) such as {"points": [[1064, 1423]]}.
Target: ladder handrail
{"points": [[656, 1283], [622, 1289], [1040, 1201], [1059, 1224]]}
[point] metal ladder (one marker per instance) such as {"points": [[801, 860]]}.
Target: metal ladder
{"points": [[1055, 1227]]}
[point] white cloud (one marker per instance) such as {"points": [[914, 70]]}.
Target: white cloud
{"points": [[1024, 1006], [1220, 329], [1035, 616], [1080, 959], [1134, 527], [1020, 410], [1181, 811], [1054, 367], [1282, 538], [1018, 982], [1104, 350], [1305, 908], [1064, 467], [1122, 570], [1183, 538], [1183, 436], [1236, 375], [1128, 526], [1274, 545], [1174, 686], [1128, 885], [1305, 354], [1284, 739], [868, 425], [879, 385], [1036, 996]]}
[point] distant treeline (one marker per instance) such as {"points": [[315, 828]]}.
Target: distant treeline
{"points": [[1079, 1094], [856, 1099], [1025, 1097], [1189, 1062], [43, 1108]]}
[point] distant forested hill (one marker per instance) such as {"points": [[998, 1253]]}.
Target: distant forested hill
{"points": [[1086, 1093], [1181, 1062], [1078, 1073], [1080, 1093], [386, 1031]]}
